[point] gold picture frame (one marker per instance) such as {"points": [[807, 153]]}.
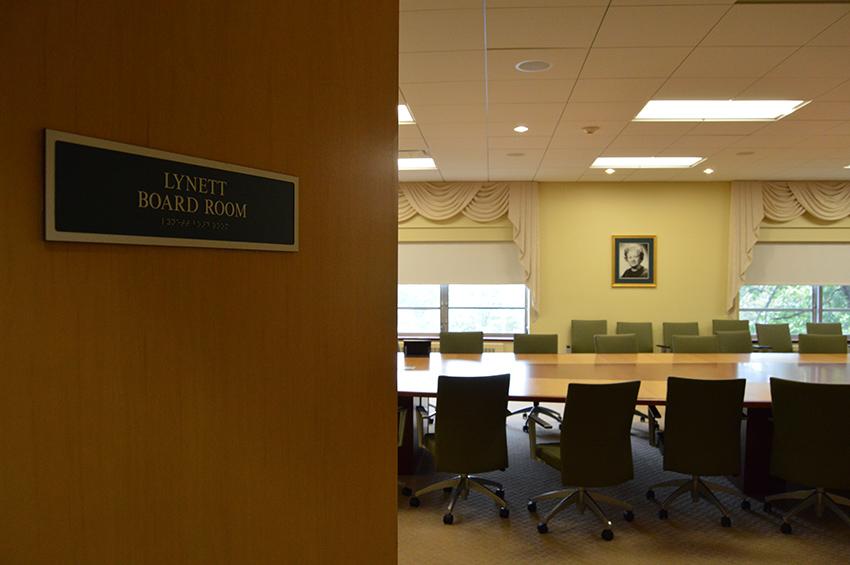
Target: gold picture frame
{"points": [[634, 261]]}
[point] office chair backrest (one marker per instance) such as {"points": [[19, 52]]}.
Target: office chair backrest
{"points": [[817, 343], [669, 329], [623, 343], [730, 326], [417, 348], [596, 446], [810, 433], [461, 342], [582, 332], [535, 343], [776, 336], [702, 431], [470, 427], [735, 341], [823, 328], [643, 331], [695, 344]]}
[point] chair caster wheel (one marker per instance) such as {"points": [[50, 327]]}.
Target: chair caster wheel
{"points": [[726, 522], [542, 528], [650, 494], [532, 506], [525, 429], [414, 502], [745, 505], [607, 535], [504, 512], [448, 519], [501, 493], [785, 528], [447, 489], [662, 514], [406, 491], [767, 507], [628, 516]]}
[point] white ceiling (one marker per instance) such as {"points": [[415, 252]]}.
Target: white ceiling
{"points": [[608, 59]]}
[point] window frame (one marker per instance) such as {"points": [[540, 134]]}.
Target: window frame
{"points": [[815, 312]]}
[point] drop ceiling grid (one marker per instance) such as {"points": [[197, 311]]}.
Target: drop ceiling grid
{"points": [[684, 52]]}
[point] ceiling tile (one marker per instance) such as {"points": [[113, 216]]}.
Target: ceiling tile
{"points": [[830, 141], [449, 114], [650, 175], [512, 174], [600, 111], [514, 159], [454, 135], [536, 126], [635, 62], [837, 34], [424, 93], [658, 128], [441, 67], [817, 110], [841, 129], [763, 140], [419, 176], [715, 61], [656, 26], [569, 135], [465, 174], [570, 26], [409, 138], [559, 175], [670, 2], [840, 94], [700, 144], [789, 88], [407, 5], [812, 62], [535, 116], [440, 30], [773, 24], [599, 175], [645, 145], [615, 89], [726, 128], [518, 141], [568, 158], [525, 91], [543, 3], [702, 88], [797, 128], [566, 63]]}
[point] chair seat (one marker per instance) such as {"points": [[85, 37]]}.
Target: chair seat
{"points": [[550, 453]]}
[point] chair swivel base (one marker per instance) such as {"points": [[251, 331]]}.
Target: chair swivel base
{"points": [[534, 412], [583, 499], [698, 489], [460, 486], [818, 498]]}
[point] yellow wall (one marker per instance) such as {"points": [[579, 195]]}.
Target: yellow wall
{"points": [[577, 221]]}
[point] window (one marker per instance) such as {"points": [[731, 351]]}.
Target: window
{"points": [[795, 305], [495, 309]]}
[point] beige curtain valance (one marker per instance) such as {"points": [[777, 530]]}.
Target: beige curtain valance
{"points": [[483, 202], [754, 201]]}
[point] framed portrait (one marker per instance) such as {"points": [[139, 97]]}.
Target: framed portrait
{"points": [[634, 260]]}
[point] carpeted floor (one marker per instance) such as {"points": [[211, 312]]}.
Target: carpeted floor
{"points": [[692, 533]]}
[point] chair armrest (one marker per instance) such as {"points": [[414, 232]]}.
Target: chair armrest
{"points": [[663, 347], [422, 416]]}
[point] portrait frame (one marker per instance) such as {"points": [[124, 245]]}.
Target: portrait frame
{"points": [[643, 251]]}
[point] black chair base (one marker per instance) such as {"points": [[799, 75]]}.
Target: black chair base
{"points": [[818, 498], [583, 499], [460, 486], [697, 489], [532, 413]]}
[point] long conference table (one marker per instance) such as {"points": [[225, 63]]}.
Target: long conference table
{"points": [[545, 378]]}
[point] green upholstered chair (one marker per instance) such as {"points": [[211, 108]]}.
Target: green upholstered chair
{"points": [[823, 328], [461, 342], [623, 343], [810, 439], [734, 341], [702, 436], [669, 329], [643, 331], [582, 332], [595, 450], [695, 344], [536, 343], [775, 336], [817, 343], [730, 326], [470, 438]]}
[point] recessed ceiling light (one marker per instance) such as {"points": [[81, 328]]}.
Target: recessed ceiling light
{"points": [[708, 171], [645, 162], [404, 115], [745, 153], [521, 128], [416, 164], [610, 171], [515, 154], [717, 110], [533, 66], [847, 167]]}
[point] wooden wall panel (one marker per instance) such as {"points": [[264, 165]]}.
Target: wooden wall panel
{"points": [[175, 405]]}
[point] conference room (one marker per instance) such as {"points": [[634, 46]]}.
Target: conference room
{"points": [[609, 194]]}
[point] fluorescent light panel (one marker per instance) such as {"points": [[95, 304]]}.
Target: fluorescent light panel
{"points": [[404, 115], [645, 162], [717, 110], [416, 164]]}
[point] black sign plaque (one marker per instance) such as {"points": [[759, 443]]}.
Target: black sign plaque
{"points": [[108, 192]]}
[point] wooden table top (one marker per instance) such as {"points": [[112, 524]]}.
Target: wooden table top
{"points": [[545, 378]]}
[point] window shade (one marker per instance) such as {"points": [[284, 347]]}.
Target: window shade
{"points": [[459, 263], [800, 263]]}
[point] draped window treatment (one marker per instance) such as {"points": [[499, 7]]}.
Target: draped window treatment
{"points": [[483, 202], [752, 202]]}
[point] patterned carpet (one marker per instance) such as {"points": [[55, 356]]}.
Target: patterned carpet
{"points": [[692, 533]]}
